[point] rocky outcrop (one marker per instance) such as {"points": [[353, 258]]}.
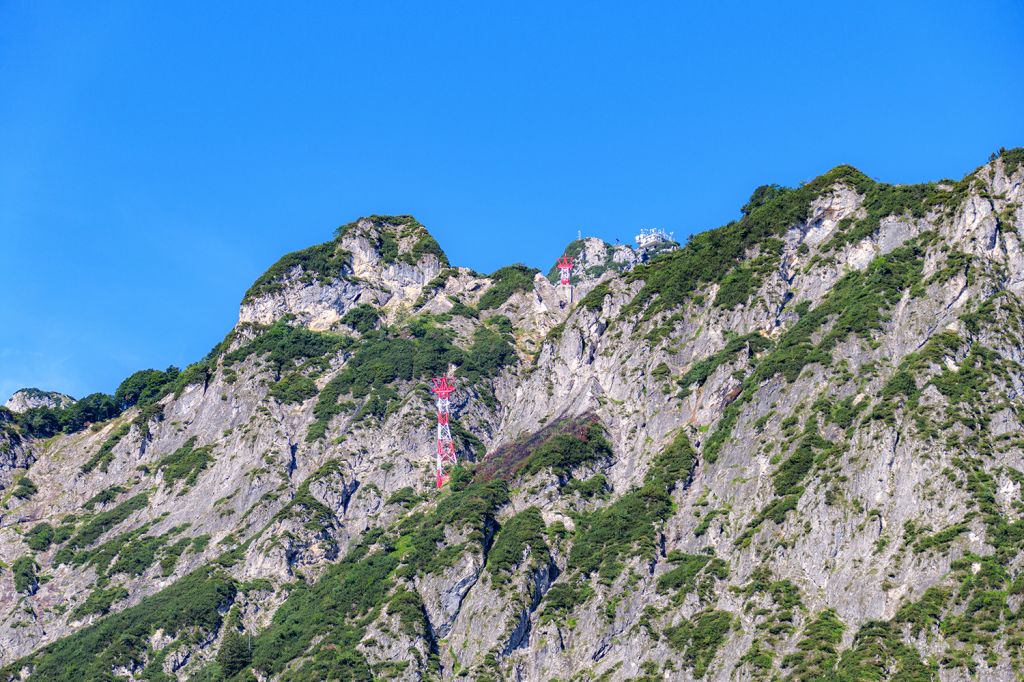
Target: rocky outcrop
{"points": [[380, 261], [27, 398]]}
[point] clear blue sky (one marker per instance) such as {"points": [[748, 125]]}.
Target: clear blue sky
{"points": [[155, 158]]}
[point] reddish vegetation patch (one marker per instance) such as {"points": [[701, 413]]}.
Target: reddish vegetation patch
{"points": [[507, 460]]}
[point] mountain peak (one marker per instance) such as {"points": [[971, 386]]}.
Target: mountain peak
{"points": [[396, 255], [394, 238], [25, 399]]}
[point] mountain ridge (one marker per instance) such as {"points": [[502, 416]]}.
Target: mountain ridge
{"points": [[649, 456]]}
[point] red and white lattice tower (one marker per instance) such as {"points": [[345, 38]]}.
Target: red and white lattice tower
{"points": [[564, 266], [444, 387]]}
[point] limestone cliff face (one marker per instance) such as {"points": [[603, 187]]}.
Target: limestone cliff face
{"points": [[319, 285], [28, 398], [788, 450]]}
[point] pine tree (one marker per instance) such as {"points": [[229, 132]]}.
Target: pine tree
{"points": [[234, 654]]}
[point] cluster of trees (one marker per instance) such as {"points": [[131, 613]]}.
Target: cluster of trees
{"points": [[141, 388]]}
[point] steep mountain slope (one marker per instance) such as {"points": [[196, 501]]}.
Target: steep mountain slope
{"points": [[789, 450]]}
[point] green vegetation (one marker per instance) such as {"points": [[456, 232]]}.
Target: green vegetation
{"points": [[283, 344], [190, 608], [389, 229], [773, 605], [902, 387], [879, 653], [427, 245], [293, 388], [524, 531], [491, 352], [172, 553], [506, 282], [737, 255], [972, 614], [383, 358], [43, 422], [843, 412], [435, 285], [793, 470], [699, 372], [378, 361], [187, 462], [707, 519], [99, 601], [317, 516], [461, 309], [363, 318], [145, 387], [709, 257], [812, 451], [323, 263], [233, 656], [926, 612], [104, 497], [942, 540], [741, 283], [507, 461], [137, 555], [628, 526], [699, 638], [102, 457], [1012, 159], [957, 263], [327, 407], [24, 571], [566, 451], [855, 305], [101, 523], [692, 573], [336, 609], [985, 585], [24, 488], [880, 201], [573, 249], [41, 536], [816, 654], [469, 504], [594, 300], [407, 605], [404, 497], [201, 372], [563, 598]]}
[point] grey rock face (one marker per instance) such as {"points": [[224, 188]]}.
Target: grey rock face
{"points": [[365, 275], [27, 398], [873, 476]]}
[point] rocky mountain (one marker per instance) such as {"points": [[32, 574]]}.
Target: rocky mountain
{"points": [[789, 450], [28, 398]]}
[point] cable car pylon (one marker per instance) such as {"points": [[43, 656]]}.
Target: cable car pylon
{"points": [[443, 387]]}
